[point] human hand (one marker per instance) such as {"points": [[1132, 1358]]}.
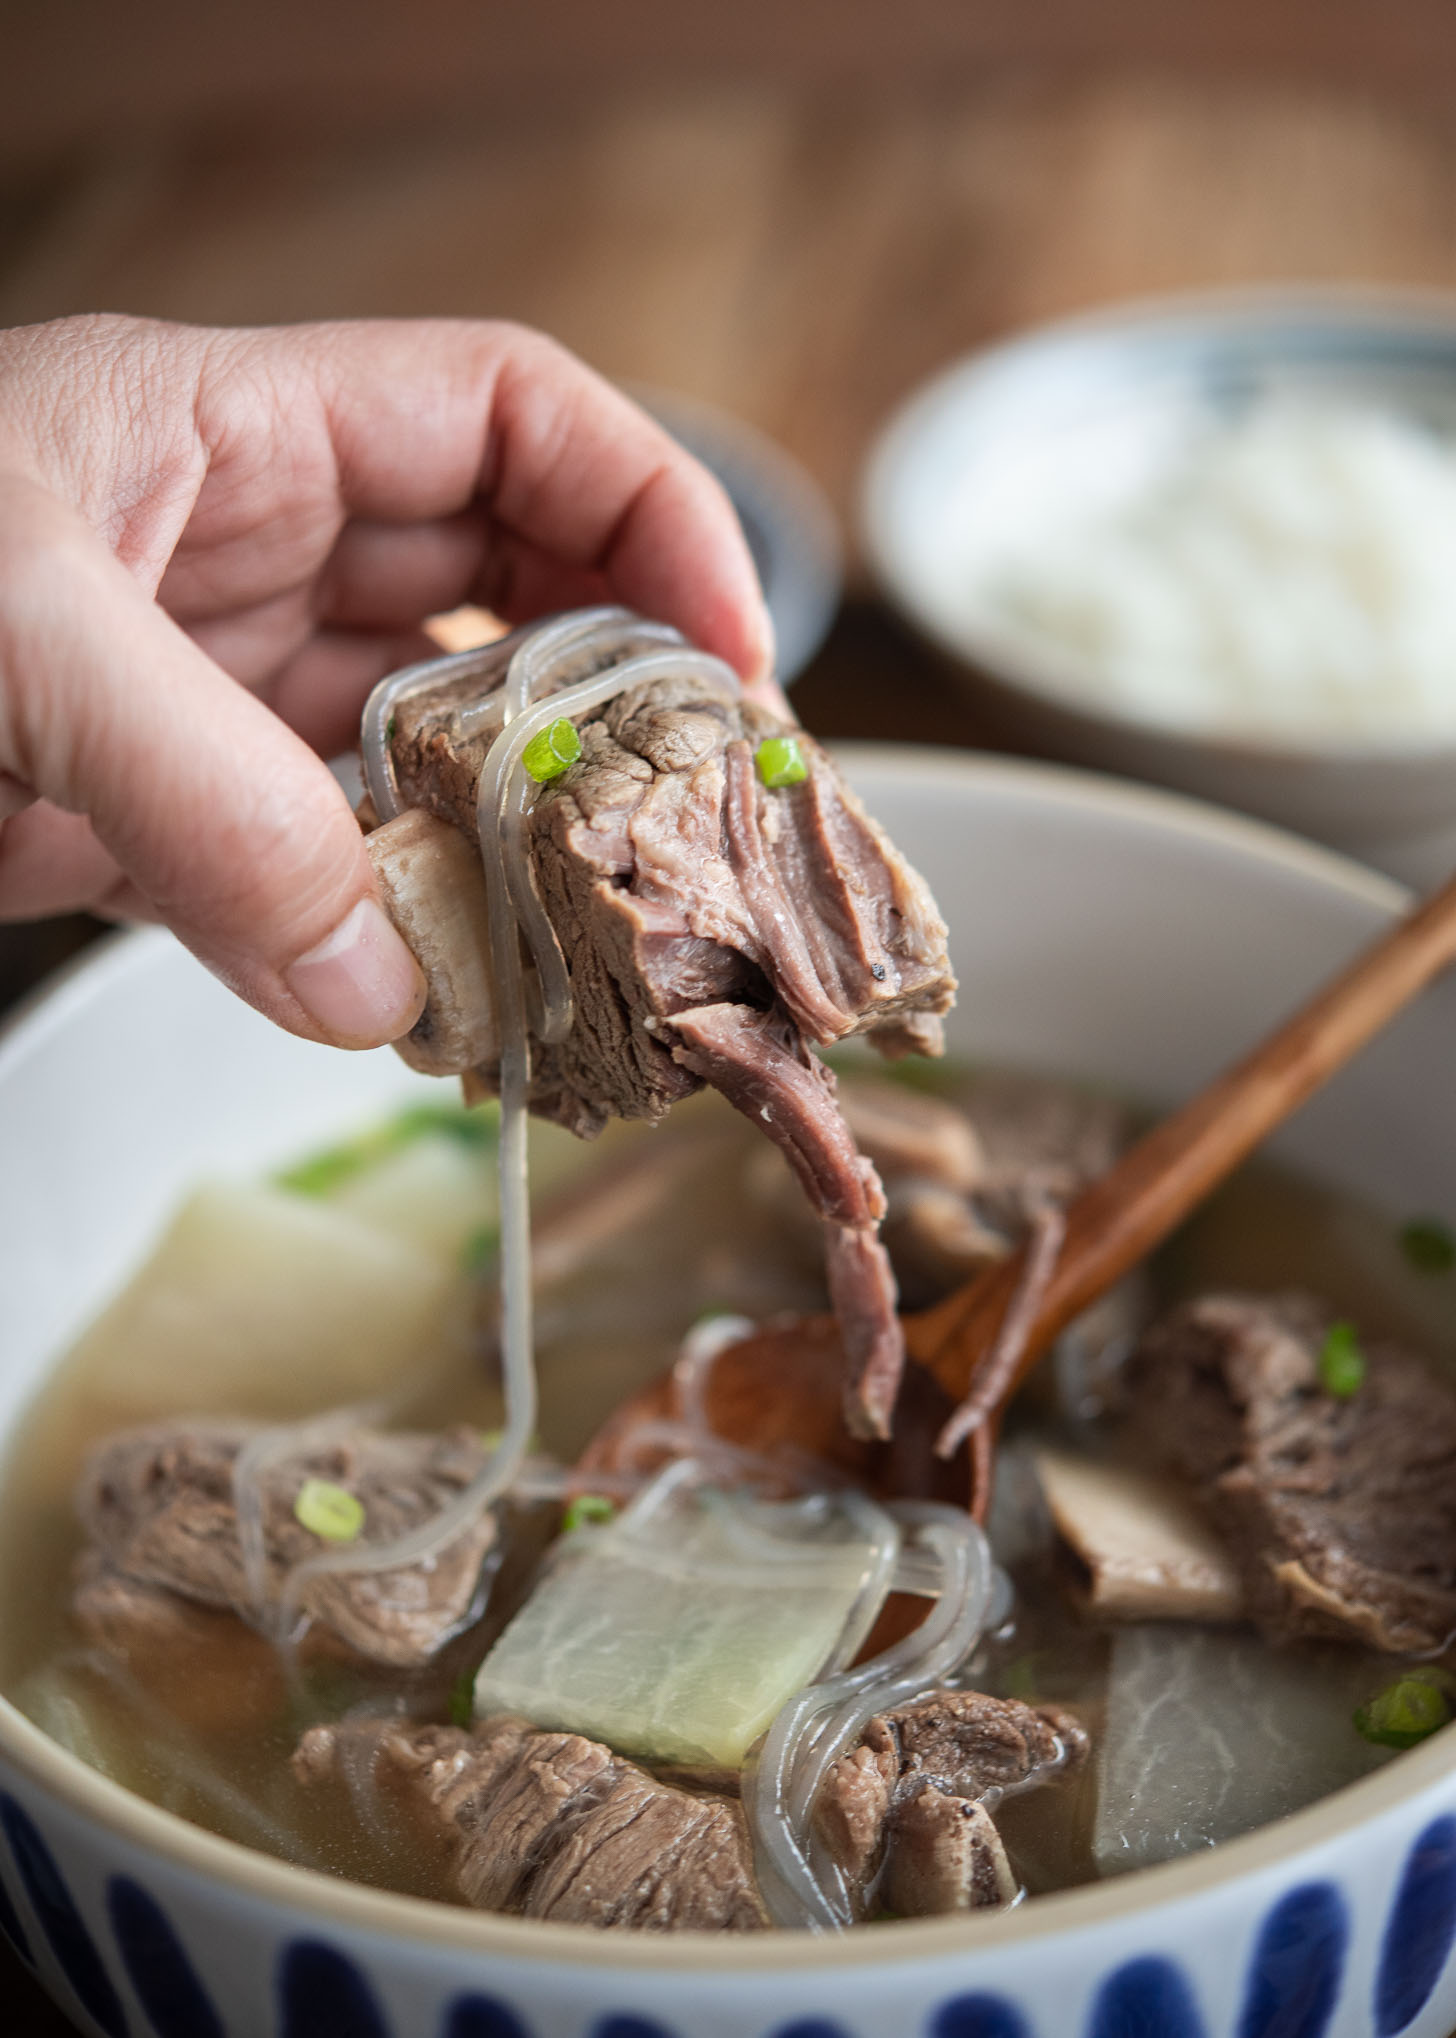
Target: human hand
{"points": [[213, 543]]}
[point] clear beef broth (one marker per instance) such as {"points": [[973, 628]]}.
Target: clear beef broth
{"points": [[210, 1738]]}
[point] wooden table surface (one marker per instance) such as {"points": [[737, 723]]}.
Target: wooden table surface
{"points": [[799, 256]]}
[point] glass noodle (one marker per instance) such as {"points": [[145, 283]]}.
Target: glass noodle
{"points": [[514, 912], [802, 1884]]}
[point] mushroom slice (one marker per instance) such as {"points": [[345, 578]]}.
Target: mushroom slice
{"points": [[434, 890], [1148, 1553]]}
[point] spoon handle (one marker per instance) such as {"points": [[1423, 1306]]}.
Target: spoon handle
{"points": [[1120, 1218]]}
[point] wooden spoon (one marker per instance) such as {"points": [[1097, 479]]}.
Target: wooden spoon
{"points": [[784, 1383]]}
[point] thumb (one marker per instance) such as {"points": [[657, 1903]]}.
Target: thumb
{"points": [[222, 818]]}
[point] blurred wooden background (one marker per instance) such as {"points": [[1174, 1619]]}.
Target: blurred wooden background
{"points": [[793, 210]]}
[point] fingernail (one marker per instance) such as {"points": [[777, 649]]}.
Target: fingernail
{"points": [[360, 985]]}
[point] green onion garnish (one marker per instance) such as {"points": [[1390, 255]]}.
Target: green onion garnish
{"points": [[1428, 1245], [780, 761], [323, 1172], [329, 1511], [587, 1507], [462, 1699], [1405, 1712], [551, 749], [1341, 1362]]}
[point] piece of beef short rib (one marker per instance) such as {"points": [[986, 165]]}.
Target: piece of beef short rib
{"points": [[907, 1812], [160, 1511], [551, 1825], [1341, 1512], [715, 930]]}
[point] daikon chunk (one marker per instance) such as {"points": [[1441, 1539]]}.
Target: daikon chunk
{"points": [[259, 1300], [1210, 1734], [677, 1637]]}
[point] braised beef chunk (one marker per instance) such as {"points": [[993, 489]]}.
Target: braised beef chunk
{"points": [[1341, 1512], [550, 1825], [907, 1813], [675, 879], [713, 929], [160, 1508]]}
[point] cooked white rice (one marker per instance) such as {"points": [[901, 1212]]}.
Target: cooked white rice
{"points": [[1293, 573]]}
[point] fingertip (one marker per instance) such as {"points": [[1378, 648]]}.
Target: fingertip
{"points": [[360, 986]]}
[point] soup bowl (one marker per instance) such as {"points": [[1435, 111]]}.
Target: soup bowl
{"points": [[1103, 931]]}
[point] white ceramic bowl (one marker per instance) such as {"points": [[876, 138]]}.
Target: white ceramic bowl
{"points": [[1106, 931], [1084, 412]]}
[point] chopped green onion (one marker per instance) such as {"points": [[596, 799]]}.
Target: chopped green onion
{"points": [[389, 728], [587, 1507], [780, 761], [462, 1699], [1428, 1245], [329, 1511], [321, 1173], [551, 750], [1341, 1362], [1405, 1712]]}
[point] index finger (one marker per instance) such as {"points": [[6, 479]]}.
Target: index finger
{"points": [[426, 417]]}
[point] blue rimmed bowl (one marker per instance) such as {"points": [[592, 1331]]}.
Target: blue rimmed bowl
{"points": [[1110, 932], [1083, 415]]}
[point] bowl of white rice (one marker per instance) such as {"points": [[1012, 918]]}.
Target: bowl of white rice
{"points": [[1209, 542]]}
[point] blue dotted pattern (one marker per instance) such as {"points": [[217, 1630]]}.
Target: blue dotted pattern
{"points": [[978, 2016], [1291, 1990], [165, 1980], [1420, 1929], [481, 2017], [322, 1994], [1145, 1999], [56, 1912], [1294, 1977]]}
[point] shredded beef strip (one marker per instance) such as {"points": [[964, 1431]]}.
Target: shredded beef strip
{"points": [[715, 931], [160, 1511], [1340, 1512]]}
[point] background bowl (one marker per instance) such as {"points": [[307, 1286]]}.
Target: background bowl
{"points": [[1106, 931], [786, 518], [1083, 413]]}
